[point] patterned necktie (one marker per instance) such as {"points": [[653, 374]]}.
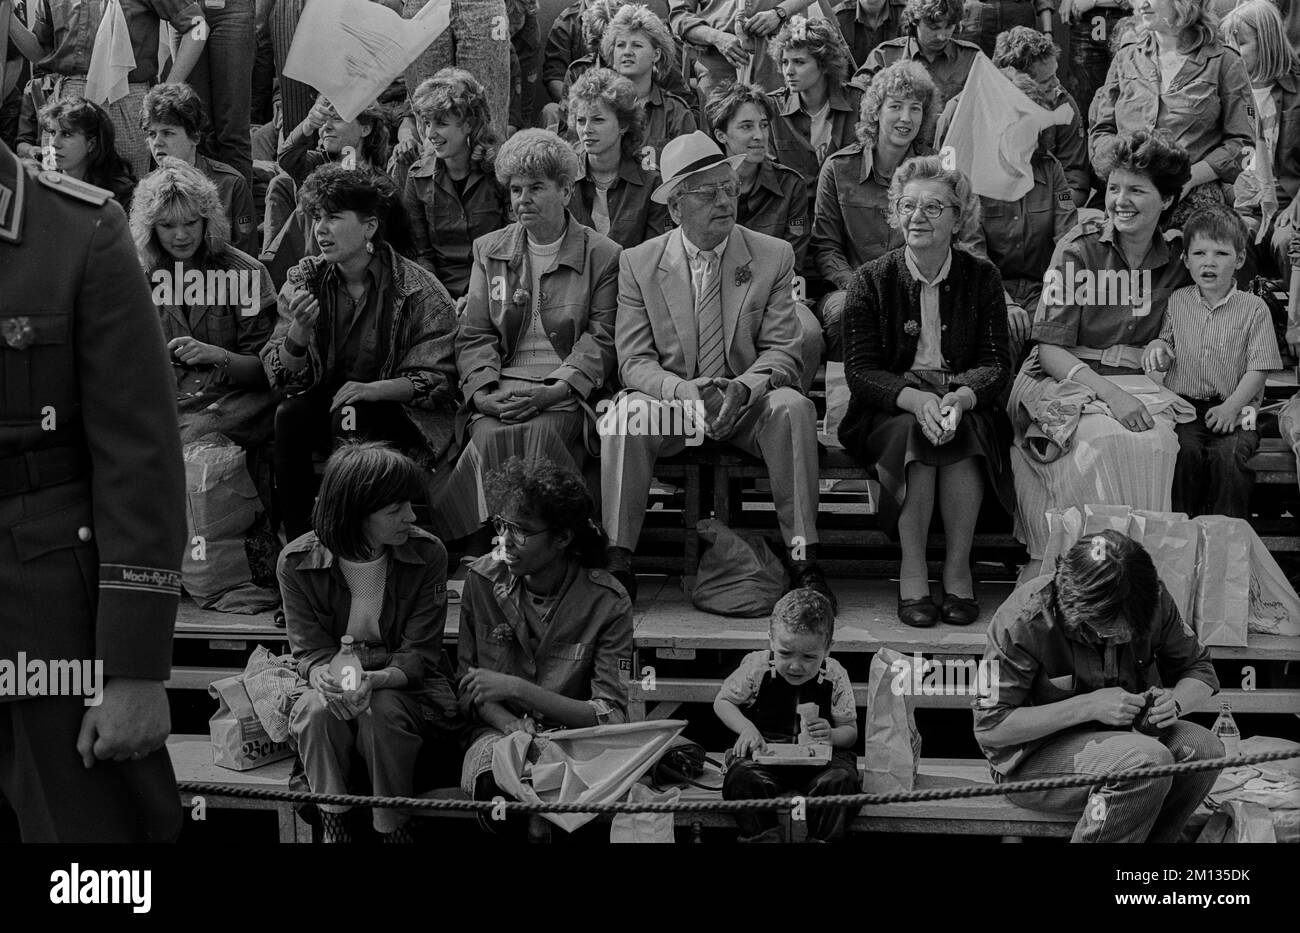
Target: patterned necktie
{"points": [[708, 317]]}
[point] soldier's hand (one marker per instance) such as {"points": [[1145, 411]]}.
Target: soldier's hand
{"points": [[193, 352], [132, 721], [304, 309]]}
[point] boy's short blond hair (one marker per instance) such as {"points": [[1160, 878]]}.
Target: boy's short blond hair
{"points": [[805, 611]]}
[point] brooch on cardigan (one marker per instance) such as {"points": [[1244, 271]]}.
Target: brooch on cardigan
{"points": [[502, 633], [18, 332], [522, 299], [743, 274], [912, 328]]}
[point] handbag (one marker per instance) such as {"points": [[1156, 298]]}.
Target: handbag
{"points": [[681, 763]]}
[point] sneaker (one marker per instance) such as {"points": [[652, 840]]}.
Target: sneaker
{"points": [[810, 575]]}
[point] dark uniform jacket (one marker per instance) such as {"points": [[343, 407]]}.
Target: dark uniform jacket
{"points": [[633, 217], [92, 490]]}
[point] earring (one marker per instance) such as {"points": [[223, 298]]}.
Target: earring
{"points": [[370, 247]]}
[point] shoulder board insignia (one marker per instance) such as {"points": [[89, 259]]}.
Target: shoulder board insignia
{"points": [[82, 191]]}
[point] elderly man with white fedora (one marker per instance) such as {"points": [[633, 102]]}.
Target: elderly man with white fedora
{"points": [[706, 317]]}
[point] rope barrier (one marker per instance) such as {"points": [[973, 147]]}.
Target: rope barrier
{"points": [[730, 806]]}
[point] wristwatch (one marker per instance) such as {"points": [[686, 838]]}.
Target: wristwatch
{"points": [[781, 14], [1178, 710]]}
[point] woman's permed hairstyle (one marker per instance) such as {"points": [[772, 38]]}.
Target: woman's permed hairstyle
{"points": [[332, 187], [177, 105], [171, 192], [923, 168], [805, 611], [820, 38], [105, 166], [554, 495], [537, 153], [1275, 56], [1022, 47], [1152, 154], [454, 92], [374, 144], [904, 80], [361, 478], [1103, 576], [594, 20], [725, 102], [618, 94], [947, 12], [637, 17]]}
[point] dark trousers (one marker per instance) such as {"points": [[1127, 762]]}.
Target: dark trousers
{"points": [[223, 78], [1212, 476], [1088, 59], [305, 423], [57, 799], [746, 780]]}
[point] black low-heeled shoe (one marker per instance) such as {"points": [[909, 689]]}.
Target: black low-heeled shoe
{"points": [[959, 611], [918, 613]]}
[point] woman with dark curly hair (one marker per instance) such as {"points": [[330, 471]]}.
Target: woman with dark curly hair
{"points": [[612, 190], [366, 573], [1178, 76], [543, 627], [82, 137], [1090, 427], [179, 228], [925, 356], [817, 110], [852, 223], [451, 195], [364, 341]]}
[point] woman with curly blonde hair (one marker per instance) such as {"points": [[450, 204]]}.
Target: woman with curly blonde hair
{"points": [[851, 223], [215, 304], [451, 197], [612, 191], [817, 109]]}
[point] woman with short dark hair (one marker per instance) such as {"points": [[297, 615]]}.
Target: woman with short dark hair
{"points": [[1103, 300], [368, 573], [364, 341], [543, 626]]}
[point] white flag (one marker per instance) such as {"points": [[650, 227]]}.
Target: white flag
{"points": [[351, 51], [111, 58]]}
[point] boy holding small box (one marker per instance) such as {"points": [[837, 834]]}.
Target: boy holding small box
{"points": [[767, 698], [1217, 346]]}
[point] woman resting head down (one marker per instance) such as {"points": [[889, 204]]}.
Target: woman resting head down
{"points": [[543, 628]]}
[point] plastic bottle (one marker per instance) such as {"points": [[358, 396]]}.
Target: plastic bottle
{"points": [[346, 667], [1225, 727]]}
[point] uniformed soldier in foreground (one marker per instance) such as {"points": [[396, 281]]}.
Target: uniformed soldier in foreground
{"points": [[92, 519]]}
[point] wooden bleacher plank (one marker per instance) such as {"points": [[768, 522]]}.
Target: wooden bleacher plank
{"points": [[192, 761], [867, 621]]}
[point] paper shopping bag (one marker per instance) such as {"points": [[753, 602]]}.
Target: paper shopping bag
{"points": [[1063, 529], [1274, 605], [1222, 601], [1098, 517], [893, 743], [239, 742], [645, 827], [1173, 540]]}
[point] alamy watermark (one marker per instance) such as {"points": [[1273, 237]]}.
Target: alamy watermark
{"points": [[635, 416], [38, 677], [213, 287], [1071, 285], [919, 676]]}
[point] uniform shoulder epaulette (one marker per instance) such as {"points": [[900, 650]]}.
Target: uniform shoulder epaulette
{"points": [[968, 44], [852, 149], [75, 188]]}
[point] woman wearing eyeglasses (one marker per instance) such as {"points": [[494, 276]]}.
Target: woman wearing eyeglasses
{"points": [[536, 340], [181, 233], [543, 626], [925, 357]]}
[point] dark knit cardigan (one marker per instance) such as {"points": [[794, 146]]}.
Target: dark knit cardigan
{"points": [[879, 345]]}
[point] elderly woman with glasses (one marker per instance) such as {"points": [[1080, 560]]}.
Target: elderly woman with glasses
{"points": [[925, 356], [543, 626], [536, 340]]}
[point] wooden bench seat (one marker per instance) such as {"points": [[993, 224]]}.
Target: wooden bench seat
{"points": [[192, 761]]}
